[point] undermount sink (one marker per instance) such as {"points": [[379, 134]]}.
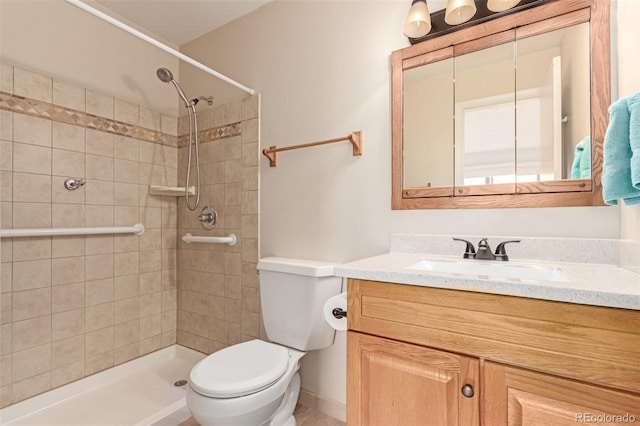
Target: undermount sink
{"points": [[491, 269]]}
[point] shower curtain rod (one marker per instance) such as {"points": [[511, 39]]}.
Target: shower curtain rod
{"points": [[156, 43]]}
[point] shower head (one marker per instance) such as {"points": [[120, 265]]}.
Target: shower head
{"points": [[166, 76]]}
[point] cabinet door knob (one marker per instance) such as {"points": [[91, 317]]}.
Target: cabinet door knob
{"points": [[467, 391]]}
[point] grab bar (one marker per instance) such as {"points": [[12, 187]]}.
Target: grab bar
{"points": [[137, 229], [231, 239]]}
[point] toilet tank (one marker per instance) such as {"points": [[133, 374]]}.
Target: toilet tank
{"points": [[292, 294]]}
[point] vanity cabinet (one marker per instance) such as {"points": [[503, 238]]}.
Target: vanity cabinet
{"points": [[403, 384], [428, 356]]}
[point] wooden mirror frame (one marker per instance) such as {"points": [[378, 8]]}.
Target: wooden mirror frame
{"points": [[558, 193]]}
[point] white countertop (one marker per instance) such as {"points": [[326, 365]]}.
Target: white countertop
{"points": [[590, 284]]}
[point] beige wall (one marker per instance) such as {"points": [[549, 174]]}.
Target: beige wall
{"points": [[322, 69], [218, 300], [72, 306]]}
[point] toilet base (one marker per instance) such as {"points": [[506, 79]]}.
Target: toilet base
{"points": [[278, 412], [284, 414]]}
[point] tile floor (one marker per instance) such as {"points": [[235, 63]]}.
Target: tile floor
{"points": [[305, 417]]}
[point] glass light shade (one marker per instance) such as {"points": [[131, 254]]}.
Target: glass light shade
{"points": [[501, 5], [459, 11], [418, 23]]}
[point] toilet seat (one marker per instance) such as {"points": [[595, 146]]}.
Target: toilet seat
{"points": [[239, 370]]}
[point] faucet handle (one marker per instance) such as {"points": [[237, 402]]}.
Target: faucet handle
{"points": [[470, 251], [501, 253]]}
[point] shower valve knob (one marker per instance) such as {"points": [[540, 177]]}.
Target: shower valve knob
{"points": [[72, 184], [208, 217]]}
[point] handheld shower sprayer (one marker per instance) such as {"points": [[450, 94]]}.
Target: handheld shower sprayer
{"points": [[167, 77]]}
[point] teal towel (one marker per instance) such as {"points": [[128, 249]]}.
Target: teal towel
{"points": [[581, 168], [634, 138], [616, 170]]}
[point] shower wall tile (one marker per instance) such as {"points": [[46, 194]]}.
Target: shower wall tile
{"points": [[31, 304], [99, 167], [217, 296], [67, 324], [68, 270], [32, 332], [170, 125], [67, 351], [150, 119], [126, 148], [6, 81], [31, 215], [67, 297], [68, 163], [31, 188], [31, 159], [250, 130], [32, 85], [67, 247], [99, 143], [98, 363], [6, 155], [100, 104], [67, 374], [69, 95], [6, 186], [99, 192], [250, 107], [68, 216], [99, 291], [126, 112], [32, 130], [6, 125], [68, 137], [32, 386]]}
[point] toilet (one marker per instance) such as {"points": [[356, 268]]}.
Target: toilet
{"points": [[256, 383]]}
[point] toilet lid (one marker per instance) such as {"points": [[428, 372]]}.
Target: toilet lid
{"points": [[239, 370]]}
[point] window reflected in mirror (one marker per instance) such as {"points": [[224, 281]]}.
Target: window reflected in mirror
{"points": [[485, 122], [553, 104]]}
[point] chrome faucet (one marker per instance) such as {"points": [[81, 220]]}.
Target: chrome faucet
{"points": [[484, 250]]}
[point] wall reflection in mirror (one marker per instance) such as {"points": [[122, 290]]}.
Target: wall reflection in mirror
{"points": [[515, 112]]}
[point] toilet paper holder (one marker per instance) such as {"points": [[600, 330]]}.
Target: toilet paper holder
{"points": [[339, 313]]}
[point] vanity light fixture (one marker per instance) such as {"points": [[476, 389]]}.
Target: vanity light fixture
{"points": [[501, 5], [418, 22], [459, 11], [420, 25]]}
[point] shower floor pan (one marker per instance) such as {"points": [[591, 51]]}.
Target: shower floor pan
{"points": [[139, 392]]}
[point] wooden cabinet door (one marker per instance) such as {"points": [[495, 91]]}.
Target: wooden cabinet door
{"points": [[392, 383], [514, 396]]}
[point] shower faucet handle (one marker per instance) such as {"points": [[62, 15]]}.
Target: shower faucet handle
{"points": [[208, 217], [72, 184]]}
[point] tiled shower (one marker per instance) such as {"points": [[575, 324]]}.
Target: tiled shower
{"points": [[73, 306]]}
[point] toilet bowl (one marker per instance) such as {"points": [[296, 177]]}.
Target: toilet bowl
{"points": [[256, 383], [252, 383]]}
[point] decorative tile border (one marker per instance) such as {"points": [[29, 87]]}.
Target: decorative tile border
{"points": [[60, 114], [215, 133], [36, 108]]}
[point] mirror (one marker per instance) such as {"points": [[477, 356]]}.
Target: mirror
{"points": [[504, 116]]}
